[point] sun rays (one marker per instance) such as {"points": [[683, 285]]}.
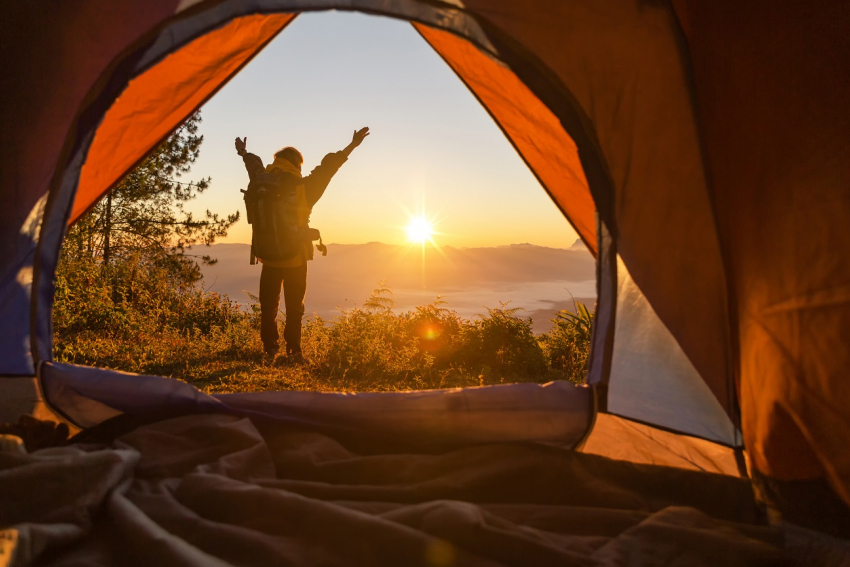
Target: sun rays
{"points": [[419, 230]]}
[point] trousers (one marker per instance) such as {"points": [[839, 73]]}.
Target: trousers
{"points": [[294, 283]]}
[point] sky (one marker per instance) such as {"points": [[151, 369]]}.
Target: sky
{"points": [[433, 150]]}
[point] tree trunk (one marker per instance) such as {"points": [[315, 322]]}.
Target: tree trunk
{"points": [[107, 251], [107, 228]]}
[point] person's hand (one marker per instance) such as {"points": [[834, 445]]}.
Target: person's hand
{"points": [[359, 136], [240, 145]]}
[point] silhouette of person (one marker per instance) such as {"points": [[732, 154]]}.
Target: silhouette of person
{"points": [[291, 273]]}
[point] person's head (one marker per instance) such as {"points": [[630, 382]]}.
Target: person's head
{"points": [[291, 155]]}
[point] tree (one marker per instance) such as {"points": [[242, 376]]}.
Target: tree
{"points": [[145, 215]]}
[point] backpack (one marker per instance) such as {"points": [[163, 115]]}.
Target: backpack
{"points": [[270, 204]]}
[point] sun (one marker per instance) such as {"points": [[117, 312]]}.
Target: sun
{"points": [[419, 230]]}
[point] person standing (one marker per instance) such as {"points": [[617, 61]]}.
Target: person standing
{"points": [[285, 266]]}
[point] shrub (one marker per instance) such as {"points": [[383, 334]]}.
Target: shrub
{"points": [[501, 347], [137, 316], [371, 348], [567, 345], [142, 317], [439, 332]]}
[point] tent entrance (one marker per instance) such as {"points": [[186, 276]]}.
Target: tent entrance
{"points": [[122, 127], [184, 62]]}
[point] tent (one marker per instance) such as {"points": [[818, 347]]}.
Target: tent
{"points": [[700, 149]]}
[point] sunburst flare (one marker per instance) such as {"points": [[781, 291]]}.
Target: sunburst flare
{"points": [[419, 230]]}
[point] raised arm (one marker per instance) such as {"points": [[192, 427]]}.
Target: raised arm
{"points": [[318, 180], [240, 145], [356, 140], [253, 163]]}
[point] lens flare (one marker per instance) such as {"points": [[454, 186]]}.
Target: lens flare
{"points": [[419, 230]]}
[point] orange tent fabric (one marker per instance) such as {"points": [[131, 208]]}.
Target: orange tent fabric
{"points": [[531, 127], [159, 100], [623, 64], [53, 57], [726, 151], [772, 84], [680, 203]]}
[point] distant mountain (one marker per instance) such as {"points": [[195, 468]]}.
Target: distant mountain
{"points": [[538, 279]]}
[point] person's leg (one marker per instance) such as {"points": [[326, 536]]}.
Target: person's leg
{"points": [[270, 282], [294, 290]]}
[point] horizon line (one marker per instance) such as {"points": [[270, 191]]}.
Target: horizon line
{"points": [[577, 245]]}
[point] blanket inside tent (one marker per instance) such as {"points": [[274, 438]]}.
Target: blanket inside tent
{"points": [[214, 489]]}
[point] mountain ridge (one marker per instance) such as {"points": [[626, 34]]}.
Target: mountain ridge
{"points": [[539, 279]]}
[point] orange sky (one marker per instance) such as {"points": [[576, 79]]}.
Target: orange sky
{"points": [[433, 149]]}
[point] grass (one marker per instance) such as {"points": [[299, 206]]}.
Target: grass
{"points": [[138, 318]]}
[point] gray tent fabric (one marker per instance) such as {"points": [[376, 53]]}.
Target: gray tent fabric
{"points": [[556, 413], [223, 490], [652, 380]]}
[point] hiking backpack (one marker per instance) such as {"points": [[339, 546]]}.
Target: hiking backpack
{"points": [[270, 204]]}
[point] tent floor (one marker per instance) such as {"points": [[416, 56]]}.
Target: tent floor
{"points": [[217, 489]]}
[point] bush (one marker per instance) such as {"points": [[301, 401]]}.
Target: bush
{"points": [[567, 345], [501, 347], [370, 348], [142, 316], [138, 316], [439, 333]]}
